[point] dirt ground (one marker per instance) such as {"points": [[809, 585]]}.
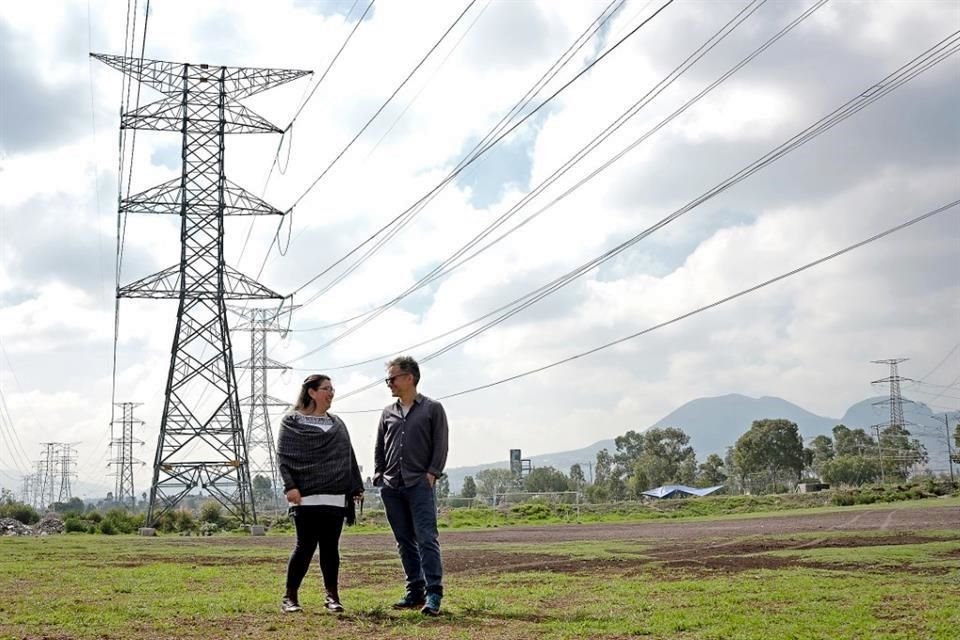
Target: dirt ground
{"points": [[676, 548]]}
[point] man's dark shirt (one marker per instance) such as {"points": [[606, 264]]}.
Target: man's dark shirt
{"points": [[408, 447]]}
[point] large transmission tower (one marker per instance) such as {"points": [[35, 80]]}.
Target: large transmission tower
{"points": [[260, 443], [201, 442], [47, 469], [67, 463], [895, 401], [122, 459]]}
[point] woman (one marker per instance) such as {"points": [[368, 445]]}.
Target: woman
{"points": [[322, 481]]}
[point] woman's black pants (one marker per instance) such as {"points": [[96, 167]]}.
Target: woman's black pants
{"points": [[317, 527]]}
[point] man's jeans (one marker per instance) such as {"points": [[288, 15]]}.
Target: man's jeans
{"points": [[412, 513]]}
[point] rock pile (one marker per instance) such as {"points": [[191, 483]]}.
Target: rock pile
{"points": [[48, 525], [11, 527]]}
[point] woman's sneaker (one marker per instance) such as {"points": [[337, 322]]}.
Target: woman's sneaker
{"points": [[332, 604], [290, 605]]}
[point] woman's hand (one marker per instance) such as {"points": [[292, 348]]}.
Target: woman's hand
{"points": [[358, 497], [293, 496]]}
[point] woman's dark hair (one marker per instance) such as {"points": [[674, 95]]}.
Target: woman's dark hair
{"points": [[304, 401]]}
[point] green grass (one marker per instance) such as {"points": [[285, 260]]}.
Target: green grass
{"points": [[802, 586]]}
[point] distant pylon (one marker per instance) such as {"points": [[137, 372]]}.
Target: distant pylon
{"points": [[123, 459], [67, 464], [201, 443], [260, 442], [895, 401], [48, 469]]}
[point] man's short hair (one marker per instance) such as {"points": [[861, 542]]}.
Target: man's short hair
{"points": [[406, 364]]}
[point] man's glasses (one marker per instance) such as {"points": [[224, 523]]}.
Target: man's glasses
{"points": [[390, 379]]}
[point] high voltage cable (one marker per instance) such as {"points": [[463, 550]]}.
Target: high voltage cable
{"points": [[907, 72], [698, 310], [385, 103], [303, 103], [492, 137], [444, 268], [17, 445], [428, 280], [410, 211], [479, 148], [537, 292]]}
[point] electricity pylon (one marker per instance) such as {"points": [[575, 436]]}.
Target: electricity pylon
{"points": [[123, 459], [201, 442], [260, 442]]}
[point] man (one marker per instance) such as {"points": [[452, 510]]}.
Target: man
{"points": [[409, 458]]}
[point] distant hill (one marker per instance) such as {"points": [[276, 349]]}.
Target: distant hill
{"points": [[714, 424]]}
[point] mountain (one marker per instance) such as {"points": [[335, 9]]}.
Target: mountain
{"points": [[714, 424]]}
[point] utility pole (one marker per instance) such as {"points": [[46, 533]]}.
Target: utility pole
{"points": [[260, 442], [123, 492], [201, 442], [946, 427]]}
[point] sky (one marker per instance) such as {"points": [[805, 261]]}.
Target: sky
{"points": [[809, 339]]}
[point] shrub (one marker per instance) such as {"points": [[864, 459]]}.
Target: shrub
{"points": [[107, 528], [75, 525], [19, 511], [211, 512]]}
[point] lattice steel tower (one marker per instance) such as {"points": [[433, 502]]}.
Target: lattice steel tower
{"points": [[201, 442], [260, 443], [895, 401], [122, 458]]}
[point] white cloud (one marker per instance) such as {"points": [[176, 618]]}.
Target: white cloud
{"points": [[809, 339]]}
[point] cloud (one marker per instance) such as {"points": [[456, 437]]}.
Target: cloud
{"points": [[808, 339]]}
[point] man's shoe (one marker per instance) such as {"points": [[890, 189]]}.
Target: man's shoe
{"points": [[290, 605], [432, 606], [332, 604], [410, 601]]}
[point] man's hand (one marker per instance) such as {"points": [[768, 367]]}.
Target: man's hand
{"points": [[293, 496], [432, 479]]}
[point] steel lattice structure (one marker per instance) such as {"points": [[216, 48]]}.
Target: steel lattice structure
{"points": [[201, 442], [895, 401], [123, 459], [260, 442]]}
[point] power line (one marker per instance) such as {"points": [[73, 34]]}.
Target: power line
{"points": [[862, 100], [407, 215], [443, 269], [384, 105], [703, 308], [504, 121]]}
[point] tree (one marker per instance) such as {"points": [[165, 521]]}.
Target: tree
{"points": [[711, 471], [576, 476], [546, 479], [603, 468], [900, 451], [443, 487], [469, 489], [493, 481], [851, 470], [821, 452], [772, 448], [665, 458], [263, 490], [852, 442], [629, 447]]}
